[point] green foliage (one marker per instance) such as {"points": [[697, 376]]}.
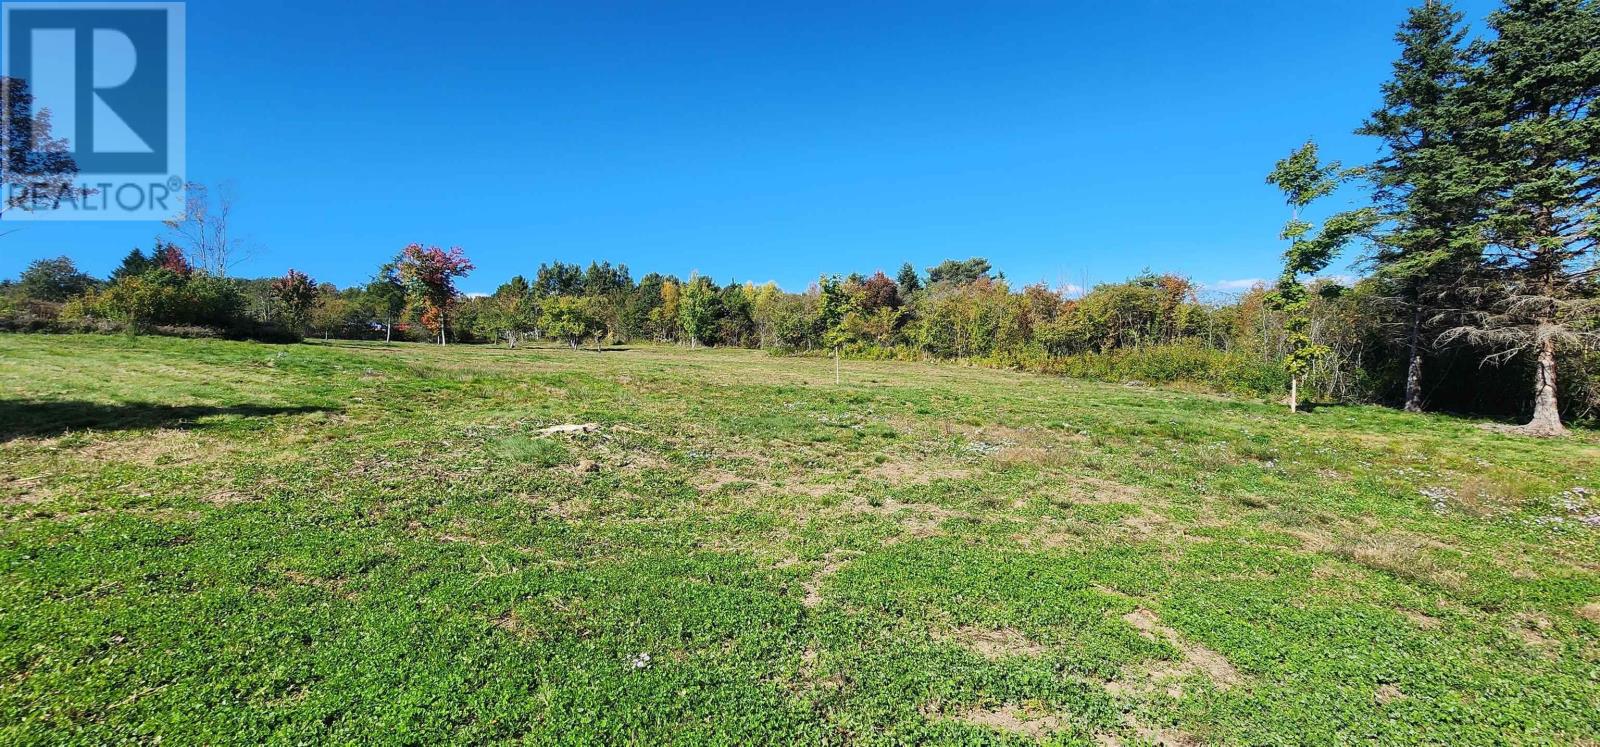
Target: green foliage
{"points": [[1303, 178], [53, 280], [697, 309], [959, 272], [163, 297], [834, 310], [571, 319]]}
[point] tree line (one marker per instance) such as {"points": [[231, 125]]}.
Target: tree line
{"points": [[1477, 238]]}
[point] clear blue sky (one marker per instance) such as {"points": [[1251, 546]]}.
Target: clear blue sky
{"points": [[758, 141]]}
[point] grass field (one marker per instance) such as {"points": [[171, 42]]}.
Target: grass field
{"points": [[220, 542]]}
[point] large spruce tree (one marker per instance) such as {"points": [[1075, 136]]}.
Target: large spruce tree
{"points": [[1426, 184], [1537, 90]]}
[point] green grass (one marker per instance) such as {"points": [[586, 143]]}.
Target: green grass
{"points": [[220, 542]]}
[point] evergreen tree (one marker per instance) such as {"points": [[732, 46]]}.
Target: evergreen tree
{"points": [[53, 280], [135, 263], [1539, 86], [1425, 183], [1303, 179], [908, 281]]}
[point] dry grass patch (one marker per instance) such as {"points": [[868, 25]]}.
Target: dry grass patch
{"points": [[1400, 556], [901, 473], [994, 643]]}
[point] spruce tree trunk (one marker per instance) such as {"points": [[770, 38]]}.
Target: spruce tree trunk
{"points": [[1414, 371], [1546, 409]]}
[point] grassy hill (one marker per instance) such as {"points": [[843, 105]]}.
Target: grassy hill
{"points": [[210, 541]]}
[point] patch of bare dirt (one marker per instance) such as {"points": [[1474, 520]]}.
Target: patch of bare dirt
{"points": [[712, 480], [1014, 719], [1422, 619], [1406, 557], [160, 447], [1387, 694], [227, 498], [919, 520], [1196, 659], [508, 622], [332, 586], [1590, 612], [1533, 630], [832, 563], [1088, 489], [24, 491], [915, 473]]}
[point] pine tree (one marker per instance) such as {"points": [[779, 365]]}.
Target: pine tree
{"points": [[1425, 183], [908, 280], [135, 263], [1304, 179], [1539, 87]]}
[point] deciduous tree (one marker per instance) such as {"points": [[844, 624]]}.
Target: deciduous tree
{"points": [[430, 276]]}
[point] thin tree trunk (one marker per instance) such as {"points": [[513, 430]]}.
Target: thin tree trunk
{"points": [[836, 380], [388, 331], [1414, 371], [1294, 394], [1546, 409]]}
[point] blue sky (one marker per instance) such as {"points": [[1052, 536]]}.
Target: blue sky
{"points": [[1066, 142]]}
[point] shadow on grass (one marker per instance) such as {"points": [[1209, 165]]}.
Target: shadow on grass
{"points": [[44, 419]]}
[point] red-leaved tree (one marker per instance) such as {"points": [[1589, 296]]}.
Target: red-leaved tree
{"points": [[293, 294], [430, 276]]}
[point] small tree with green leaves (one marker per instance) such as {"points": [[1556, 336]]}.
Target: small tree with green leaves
{"points": [[570, 319], [833, 310], [697, 309], [384, 297], [1304, 179]]}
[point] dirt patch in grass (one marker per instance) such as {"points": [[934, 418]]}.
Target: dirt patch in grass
{"points": [[919, 520], [1422, 620], [24, 491], [1080, 489], [1590, 612], [832, 563], [335, 587], [1533, 631], [900, 473], [712, 480], [1387, 694], [160, 447], [994, 643], [1196, 659], [1014, 719]]}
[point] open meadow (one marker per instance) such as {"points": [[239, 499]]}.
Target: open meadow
{"points": [[216, 542]]}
